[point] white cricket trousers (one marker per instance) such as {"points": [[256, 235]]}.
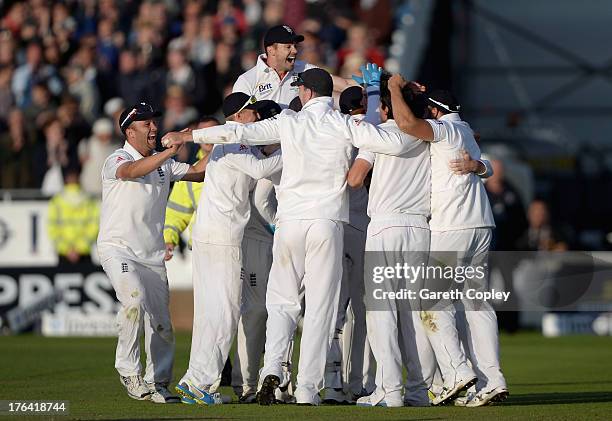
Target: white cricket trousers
{"points": [[257, 260], [143, 293], [345, 360], [217, 291], [307, 258], [395, 333], [480, 326]]}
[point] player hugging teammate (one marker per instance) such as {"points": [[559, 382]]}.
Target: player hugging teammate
{"points": [[317, 229]]}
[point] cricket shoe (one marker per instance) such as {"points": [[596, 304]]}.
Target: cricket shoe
{"points": [[463, 400], [189, 393], [161, 394], [249, 397], [380, 398], [283, 394], [499, 394], [136, 387], [266, 395], [449, 394], [305, 397], [336, 397]]}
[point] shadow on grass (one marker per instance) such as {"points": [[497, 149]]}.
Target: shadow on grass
{"points": [[558, 398]]}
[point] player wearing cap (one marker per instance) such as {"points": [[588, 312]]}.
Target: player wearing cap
{"points": [[277, 68], [135, 187], [222, 214], [312, 205], [461, 221], [399, 207], [257, 260], [345, 361]]}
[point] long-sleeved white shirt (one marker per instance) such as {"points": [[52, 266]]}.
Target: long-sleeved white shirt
{"points": [[401, 185], [263, 211], [316, 144], [457, 201], [224, 207]]}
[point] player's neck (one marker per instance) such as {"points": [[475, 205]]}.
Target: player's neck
{"points": [[281, 74]]}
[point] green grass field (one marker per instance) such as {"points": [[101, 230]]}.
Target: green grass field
{"points": [[563, 379]]}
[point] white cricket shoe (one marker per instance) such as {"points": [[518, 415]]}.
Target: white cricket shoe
{"points": [[499, 394], [161, 394], [306, 397], [448, 394], [136, 388], [380, 398]]}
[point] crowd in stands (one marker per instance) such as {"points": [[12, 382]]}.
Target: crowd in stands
{"points": [[68, 68]]}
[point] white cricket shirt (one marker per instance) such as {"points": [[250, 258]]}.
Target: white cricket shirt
{"points": [[224, 208], [133, 211], [263, 82], [457, 201], [401, 185], [317, 145]]}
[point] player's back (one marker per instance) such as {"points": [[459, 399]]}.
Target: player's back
{"points": [[401, 184], [457, 201], [316, 156]]}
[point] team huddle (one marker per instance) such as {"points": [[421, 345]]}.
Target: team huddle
{"points": [[283, 223]]}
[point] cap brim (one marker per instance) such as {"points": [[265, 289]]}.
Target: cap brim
{"points": [[147, 116], [297, 83], [298, 38]]}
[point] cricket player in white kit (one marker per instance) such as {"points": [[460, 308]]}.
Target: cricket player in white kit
{"points": [[135, 188], [271, 79], [461, 221], [398, 207], [222, 214], [344, 373], [312, 205]]}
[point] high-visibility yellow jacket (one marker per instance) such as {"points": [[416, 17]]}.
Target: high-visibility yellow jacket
{"points": [[180, 211], [73, 220]]}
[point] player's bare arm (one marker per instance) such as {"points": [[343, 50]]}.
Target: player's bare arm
{"points": [[358, 172], [405, 119], [144, 166], [196, 171]]}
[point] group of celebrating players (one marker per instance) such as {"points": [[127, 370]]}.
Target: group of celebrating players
{"points": [[282, 225]]}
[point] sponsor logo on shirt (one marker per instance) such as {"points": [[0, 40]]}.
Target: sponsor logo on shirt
{"points": [[124, 268], [264, 88], [161, 174], [357, 121], [119, 159], [243, 147], [253, 279]]}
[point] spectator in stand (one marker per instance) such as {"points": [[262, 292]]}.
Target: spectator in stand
{"points": [[84, 90], [32, 71], [6, 96], [359, 42], [55, 154], [180, 72], [92, 154], [16, 153], [112, 110], [178, 114], [73, 221], [510, 223], [541, 235]]}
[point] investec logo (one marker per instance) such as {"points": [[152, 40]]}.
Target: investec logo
{"points": [[264, 88]]}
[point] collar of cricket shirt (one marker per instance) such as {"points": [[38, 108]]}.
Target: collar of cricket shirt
{"points": [[132, 151], [320, 101], [451, 117], [263, 68]]}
